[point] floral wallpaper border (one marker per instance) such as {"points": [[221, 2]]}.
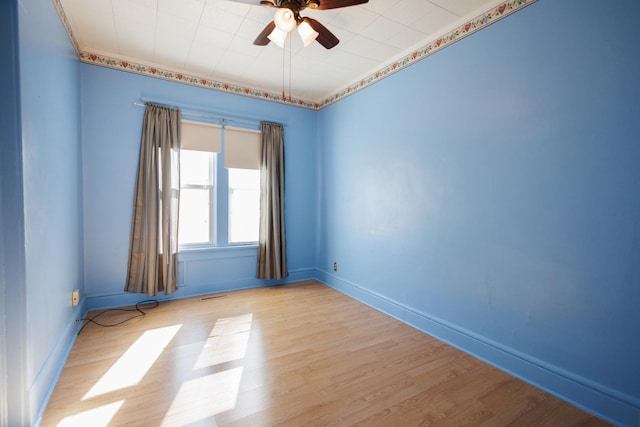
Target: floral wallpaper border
{"points": [[470, 27]]}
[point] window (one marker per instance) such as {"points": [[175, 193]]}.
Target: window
{"points": [[197, 198], [244, 205], [242, 160], [219, 184]]}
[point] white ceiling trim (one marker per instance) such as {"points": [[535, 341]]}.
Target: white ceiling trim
{"points": [[485, 19]]}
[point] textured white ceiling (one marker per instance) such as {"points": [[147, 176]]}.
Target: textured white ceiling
{"points": [[213, 39]]}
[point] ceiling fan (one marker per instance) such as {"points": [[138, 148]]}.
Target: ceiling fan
{"points": [[287, 17]]}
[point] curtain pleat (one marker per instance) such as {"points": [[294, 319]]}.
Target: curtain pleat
{"points": [[153, 246], [272, 256]]}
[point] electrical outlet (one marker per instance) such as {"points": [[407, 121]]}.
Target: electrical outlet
{"points": [[335, 266], [75, 297]]}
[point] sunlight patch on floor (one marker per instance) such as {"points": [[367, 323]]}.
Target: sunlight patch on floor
{"points": [[97, 417], [132, 366], [227, 341], [204, 397]]}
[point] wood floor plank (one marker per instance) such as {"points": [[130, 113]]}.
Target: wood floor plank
{"points": [[291, 355]]}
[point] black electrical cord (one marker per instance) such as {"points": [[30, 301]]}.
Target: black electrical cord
{"points": [[146, 304]]}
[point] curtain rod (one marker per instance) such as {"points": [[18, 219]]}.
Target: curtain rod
{"points": [[189, 111]]}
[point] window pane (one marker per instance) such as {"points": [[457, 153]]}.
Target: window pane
{"points": [[194, 224], [194, 167], [244, 205]]}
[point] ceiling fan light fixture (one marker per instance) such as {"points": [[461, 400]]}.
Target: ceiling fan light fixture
{"points": [[278, 37], [285, 19], [307, 33]]}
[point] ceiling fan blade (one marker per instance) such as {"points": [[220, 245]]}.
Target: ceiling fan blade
{"points": [[263, 37], [335, 4], [325, 37]]}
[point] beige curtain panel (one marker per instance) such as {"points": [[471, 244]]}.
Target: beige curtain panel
{"points": [[153, 246], [272, 247]]}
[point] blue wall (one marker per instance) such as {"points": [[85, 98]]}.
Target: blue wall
{"points": [[42, 220], [111, 142], [52, 185], [490, 195]]}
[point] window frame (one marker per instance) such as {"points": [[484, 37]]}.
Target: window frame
{"points": [[213, 196], [219, 202]]}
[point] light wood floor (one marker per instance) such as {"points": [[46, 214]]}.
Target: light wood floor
{"points": [[293, 355]]}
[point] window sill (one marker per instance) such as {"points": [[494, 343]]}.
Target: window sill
{"points": [[212, 252]]}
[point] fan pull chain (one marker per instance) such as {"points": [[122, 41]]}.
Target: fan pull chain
{"points": [[283, 70], [290, 62]]}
